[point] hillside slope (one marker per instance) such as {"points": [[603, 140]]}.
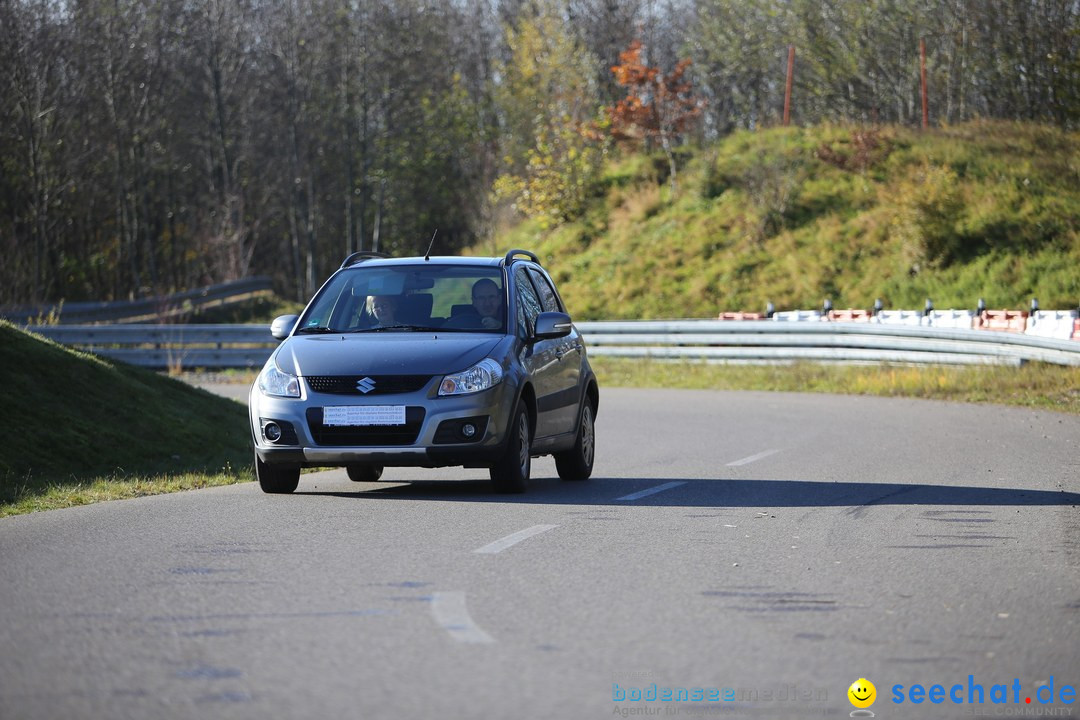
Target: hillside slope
{"points": [[795, 215], [72, 417]]}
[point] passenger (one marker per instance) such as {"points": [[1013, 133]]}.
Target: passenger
{"points": [[382, 309]]}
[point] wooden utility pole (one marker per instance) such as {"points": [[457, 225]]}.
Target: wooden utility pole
{"points": [[787, 88], [922, 73]]}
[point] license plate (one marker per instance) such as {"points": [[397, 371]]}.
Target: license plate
{"points": [[364, 415]]}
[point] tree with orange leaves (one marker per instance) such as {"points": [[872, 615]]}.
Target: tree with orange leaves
{"points": [[657, 107]]}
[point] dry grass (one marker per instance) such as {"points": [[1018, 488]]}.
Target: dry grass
{"points": [[1049, 387]]}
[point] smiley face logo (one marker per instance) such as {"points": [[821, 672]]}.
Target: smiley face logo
{"points": [[862, 693]]}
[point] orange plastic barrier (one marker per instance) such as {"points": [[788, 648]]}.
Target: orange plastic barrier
{"points": [[1002, 320], [740, 316], [850, 315]]}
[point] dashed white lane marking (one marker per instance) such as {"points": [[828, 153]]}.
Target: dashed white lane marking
{"points": [[752, 458], [449, 611], [513, 539], [651, 491]]}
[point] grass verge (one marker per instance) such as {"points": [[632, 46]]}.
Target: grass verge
{"points": [[1034, 385], [83, 429]]}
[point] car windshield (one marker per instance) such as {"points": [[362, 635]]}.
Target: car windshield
{"points": [[409, 298]]}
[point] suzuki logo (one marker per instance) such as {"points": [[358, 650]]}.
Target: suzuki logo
{"points": [[366, 385]]}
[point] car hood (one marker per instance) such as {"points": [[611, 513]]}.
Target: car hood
{"points": [[387, 353]]}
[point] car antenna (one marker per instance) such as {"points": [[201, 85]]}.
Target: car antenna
{"points": [[431, 244]]}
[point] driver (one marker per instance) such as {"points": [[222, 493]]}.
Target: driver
{"points": [[488, 301]]}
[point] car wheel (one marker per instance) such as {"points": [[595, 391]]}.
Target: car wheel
{"points": [[277, 479], [511, 473], [577, 462], [364, 473]]}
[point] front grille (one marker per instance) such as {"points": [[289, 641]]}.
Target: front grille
{"points": [[365, 435], [379, 384]]}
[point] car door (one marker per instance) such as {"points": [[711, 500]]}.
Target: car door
{"points": [[540, 359], [568, 354]]}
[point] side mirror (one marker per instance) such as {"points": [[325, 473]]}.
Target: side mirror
{"points": [[552, 325], [283, 326]]}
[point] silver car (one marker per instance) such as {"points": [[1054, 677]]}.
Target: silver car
{"points": [[429, 362]]}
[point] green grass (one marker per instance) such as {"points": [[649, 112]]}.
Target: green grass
{"points": [[1035, 385], [795, 215], [82, 429]]}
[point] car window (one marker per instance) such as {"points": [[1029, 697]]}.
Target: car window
{"points": [[548, 300], [528, 303]]}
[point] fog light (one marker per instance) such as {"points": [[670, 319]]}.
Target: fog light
{"points": [[272, 432], [468, 430]]}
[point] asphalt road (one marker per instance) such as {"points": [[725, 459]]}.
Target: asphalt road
{"points": [[769, 549]]}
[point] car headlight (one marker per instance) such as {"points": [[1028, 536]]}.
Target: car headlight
{"points": [[481, 376], [274, 382]]}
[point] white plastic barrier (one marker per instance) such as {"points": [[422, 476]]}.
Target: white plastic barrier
{"points": [[798, 316], [903, 317], [952, 318], [1052, 323]]}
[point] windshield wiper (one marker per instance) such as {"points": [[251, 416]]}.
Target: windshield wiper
{"points": [[411, 328], [316, 329]]}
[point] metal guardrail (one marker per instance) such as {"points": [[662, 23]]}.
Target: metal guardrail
{"points": [[133, 311], [248, 346], [169, 346], [768, 341]]}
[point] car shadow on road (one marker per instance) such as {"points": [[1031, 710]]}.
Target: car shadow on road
{"points": [[698, 492]]}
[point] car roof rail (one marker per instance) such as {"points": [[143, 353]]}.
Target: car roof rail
{"points": [[361, 256], [517, 251]]}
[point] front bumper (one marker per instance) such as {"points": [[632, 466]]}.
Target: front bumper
{"points": [[387, 457], [494, 404]]}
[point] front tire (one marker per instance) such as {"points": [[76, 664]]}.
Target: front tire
{"points": [[364, 473], [577, 462], [277, 479], [511, 473]]}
